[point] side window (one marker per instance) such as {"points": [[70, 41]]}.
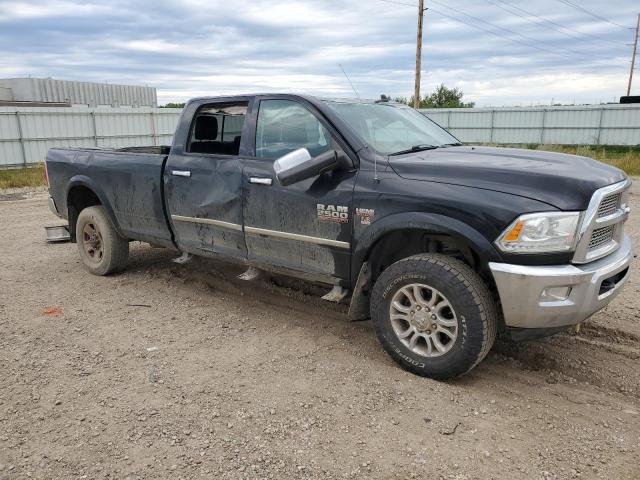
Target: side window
{"points": [[285, 126], [217, 129]]}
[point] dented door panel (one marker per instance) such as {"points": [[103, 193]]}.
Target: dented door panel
{"points": [[205, 208]]}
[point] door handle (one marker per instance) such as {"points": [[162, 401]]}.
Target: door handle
{"points": [[181, 173], [261, 180]]}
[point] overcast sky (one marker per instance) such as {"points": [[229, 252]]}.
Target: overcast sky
{"points": [[188, 48]]}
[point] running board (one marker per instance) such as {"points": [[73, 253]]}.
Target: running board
{"points": [[58, 233]]}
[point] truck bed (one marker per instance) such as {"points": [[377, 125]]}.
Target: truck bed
{"points": [[127, 181]]}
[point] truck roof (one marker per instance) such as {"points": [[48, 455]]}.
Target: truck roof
{"points": [[312, 98]]}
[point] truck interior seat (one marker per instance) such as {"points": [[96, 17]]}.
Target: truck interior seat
{"points": [[206, 138]]}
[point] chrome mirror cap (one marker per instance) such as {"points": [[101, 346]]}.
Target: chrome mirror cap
{"points": [[291, 160]]}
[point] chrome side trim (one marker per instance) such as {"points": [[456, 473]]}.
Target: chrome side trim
{"points": [[207, 221], [298, 237], [263, 231]]}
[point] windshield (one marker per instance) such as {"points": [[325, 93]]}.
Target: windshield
{"points": [[391, 128]]}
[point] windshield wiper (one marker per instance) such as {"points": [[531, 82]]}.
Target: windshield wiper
{"points": [[415, 148], [457, 144]]}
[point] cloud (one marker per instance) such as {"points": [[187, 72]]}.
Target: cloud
{"points": [[53, 9], [191, 48]]}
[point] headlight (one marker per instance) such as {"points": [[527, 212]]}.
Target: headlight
{"points": [[541, 233]]}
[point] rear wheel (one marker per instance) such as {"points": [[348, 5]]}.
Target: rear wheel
{"points": [[102, 249], [434, 315]]}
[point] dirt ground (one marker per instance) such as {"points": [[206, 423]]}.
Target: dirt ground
{"points": [[182, 371]]}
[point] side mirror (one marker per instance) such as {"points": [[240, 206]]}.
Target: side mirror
{"points": [[300, 165]]}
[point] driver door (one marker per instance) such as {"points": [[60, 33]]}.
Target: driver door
{"points": [[307, 226]]}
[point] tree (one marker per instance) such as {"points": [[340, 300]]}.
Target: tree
{"points": [[445, 97], [173, 105], [442, 97]]}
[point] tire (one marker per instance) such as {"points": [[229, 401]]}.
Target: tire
{"points": [[102, 250], [452, 316]]}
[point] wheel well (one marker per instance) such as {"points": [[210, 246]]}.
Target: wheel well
{"points": [[401, 244], [79, 198]]}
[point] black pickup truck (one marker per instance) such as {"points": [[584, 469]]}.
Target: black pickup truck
{"points": [[442, 245]]}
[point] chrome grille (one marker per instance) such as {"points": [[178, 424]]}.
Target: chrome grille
{"points": [[609, 205], [602, 227], [601, 236]]}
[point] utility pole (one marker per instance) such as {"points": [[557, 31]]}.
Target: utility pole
{"points": [[416, 91], [633, 59]]}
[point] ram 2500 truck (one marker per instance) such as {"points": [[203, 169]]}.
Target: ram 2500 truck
{"points": [[441, 244]]}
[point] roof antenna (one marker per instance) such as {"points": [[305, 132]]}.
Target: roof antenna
{"points": [[349, 80], [375, 159]]}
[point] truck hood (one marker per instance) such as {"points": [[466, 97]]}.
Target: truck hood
{"points": [[566, 182]]}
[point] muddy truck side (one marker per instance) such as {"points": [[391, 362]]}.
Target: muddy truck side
{"points": [[442, 245]]}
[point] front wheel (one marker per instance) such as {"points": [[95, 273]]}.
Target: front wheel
{"points": [[434, 315], [102, 249]]}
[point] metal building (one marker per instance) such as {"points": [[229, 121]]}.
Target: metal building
{"points": [[49, 90]]}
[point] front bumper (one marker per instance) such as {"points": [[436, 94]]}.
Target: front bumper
{"points": [[562, 295]]}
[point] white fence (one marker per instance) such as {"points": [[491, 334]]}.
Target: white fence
{"points": [[579, 125], [27, 132]]}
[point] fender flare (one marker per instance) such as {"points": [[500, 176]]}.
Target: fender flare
{"points": [[430, 222], [84, 181]]}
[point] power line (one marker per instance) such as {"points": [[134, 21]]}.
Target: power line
{"points": [[401, 3], [580, 35], [492, 32], [571, 4], [569, 54], [543, 19]]}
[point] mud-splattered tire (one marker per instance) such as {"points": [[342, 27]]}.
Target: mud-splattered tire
{"points": [[441, 302], [102, 250]]}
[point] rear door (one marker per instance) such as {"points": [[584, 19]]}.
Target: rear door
{"points": [[203, 180], [306, 226]]}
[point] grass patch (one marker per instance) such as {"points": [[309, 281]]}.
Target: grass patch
{"points": [[626, 159], [23, 177]]}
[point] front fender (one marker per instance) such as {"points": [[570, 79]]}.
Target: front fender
{"points": [[430, 222]]}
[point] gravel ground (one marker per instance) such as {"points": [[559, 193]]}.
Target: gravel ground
{"points": [[182, 371]]}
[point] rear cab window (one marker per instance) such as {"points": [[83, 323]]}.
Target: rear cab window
{"points": [[217, 129]]}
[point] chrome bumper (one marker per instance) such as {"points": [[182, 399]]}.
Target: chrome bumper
{"points": [[560, 295]]}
